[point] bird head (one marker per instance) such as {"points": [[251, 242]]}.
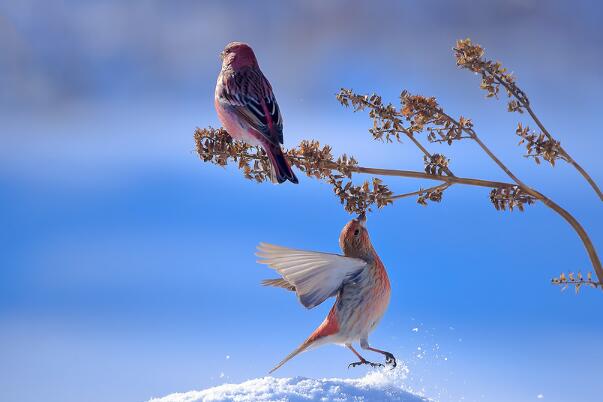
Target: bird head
{"points": [[354, 239], [237, 55]]}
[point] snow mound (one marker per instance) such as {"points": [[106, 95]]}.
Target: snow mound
{"points": [[378, 385]]}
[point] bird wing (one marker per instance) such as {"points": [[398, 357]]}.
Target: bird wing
{"points": [[249, 95], [279, 283], [315, 276]]}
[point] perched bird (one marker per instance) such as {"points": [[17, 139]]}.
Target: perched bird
{"points": [[358, 279], [247, 107]]}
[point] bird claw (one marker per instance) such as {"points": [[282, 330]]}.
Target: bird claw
{"points": [[390, 360], [361, 362]]}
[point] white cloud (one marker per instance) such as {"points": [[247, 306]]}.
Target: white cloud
{"points": [[377, 385]]}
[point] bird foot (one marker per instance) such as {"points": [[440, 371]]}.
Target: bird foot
{"points": [[390, 360], [361, 362]]}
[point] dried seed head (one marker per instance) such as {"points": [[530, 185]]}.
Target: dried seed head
{"points": [[538, 145], [217, 147], [577, 280], [504, 198]]}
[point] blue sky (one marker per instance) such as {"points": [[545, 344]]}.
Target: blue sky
{"points": [[126, 264]]}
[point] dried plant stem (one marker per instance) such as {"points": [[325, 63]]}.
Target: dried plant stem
{"points": [[566, 155], [440, 187], [590, 249], [410, 136], [400, 173], [425, 115], [421, 175], [425, 151], [525, 103]]}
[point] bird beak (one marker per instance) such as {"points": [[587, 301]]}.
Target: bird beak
{"points": [[362, 219], [222, 55]]}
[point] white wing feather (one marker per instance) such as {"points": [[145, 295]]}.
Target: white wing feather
{"points": [[316, 276]]}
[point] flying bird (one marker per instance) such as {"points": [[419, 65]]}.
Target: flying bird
{"points": [[357, 278], [247, 107]]}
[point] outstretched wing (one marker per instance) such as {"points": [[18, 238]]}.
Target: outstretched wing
{"points": [[249, 95], [315, 276]]}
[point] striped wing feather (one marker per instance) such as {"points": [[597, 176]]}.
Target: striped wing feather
{"points": [[249, 94], [315, 276], [278, 283]]}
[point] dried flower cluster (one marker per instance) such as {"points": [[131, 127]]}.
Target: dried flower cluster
{"points": [[433, 195], [217, 147], [425, 114], [436, 164], [357, 199], [416, 114], [420, 111], [471, 56], [539, 145], [387, 120], [542, 145], [311, 159], [319, 163], [509, 198], [577, 280]]}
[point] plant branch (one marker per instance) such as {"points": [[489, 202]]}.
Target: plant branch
{"points": [[440, 187], [421, 175], [588, 245], [386, 119], [413, 174], [590, 249], [424, 114], [567, 156], [470, 56], [216, 146]]}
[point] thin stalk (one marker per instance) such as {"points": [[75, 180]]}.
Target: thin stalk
{"points": [[418, 192], [523, 101], [590, 248], [421, 175]]}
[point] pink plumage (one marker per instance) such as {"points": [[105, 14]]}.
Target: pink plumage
{"points": [[247, 107], [357, 278]]}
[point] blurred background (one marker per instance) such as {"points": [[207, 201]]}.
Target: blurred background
{"points": [[126, 264]]}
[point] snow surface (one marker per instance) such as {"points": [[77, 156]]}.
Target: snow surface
{"points": [[377, 385]]}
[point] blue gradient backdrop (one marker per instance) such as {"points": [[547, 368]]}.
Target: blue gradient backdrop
{"points": [[126, 264]]}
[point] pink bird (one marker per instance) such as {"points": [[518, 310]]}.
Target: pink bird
{"points": [[247, 107], [358, 279]]}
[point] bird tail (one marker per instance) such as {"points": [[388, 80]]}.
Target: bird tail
{"points": [[300, 349], [329, 326], [281, 170]]}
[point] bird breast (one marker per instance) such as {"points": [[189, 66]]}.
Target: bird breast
{"points": [[362, 303]]}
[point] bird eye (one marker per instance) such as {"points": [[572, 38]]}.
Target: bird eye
{"points": [[356, 232]]}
